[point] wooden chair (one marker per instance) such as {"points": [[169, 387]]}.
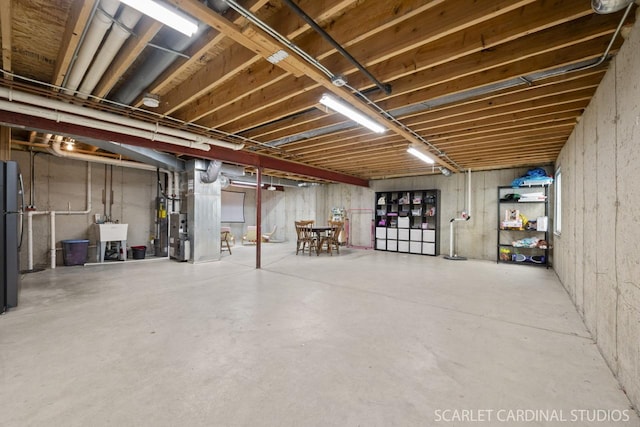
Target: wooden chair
{"points": [[305, 237], [251, 236], [333, 238], [267, 236], [225, 237]]}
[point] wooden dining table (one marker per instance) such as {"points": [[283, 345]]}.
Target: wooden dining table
{"points": [[319, 230]]}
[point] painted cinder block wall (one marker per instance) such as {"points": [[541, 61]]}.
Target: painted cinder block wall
{"points": [[60, 185], [596, 254], [476, 238]]}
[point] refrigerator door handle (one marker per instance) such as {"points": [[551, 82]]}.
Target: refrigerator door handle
{"points": [[21, 210]]}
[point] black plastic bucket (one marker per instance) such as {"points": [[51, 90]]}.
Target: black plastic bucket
{"points": [[138, 252]]}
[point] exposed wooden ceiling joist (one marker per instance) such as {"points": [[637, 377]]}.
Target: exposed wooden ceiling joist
{"points": [[458, 71]]}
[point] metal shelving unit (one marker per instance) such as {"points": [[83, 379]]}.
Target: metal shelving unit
{"points": [[515, 236]]}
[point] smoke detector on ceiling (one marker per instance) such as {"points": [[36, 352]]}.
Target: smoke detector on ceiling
{"points": [[150, 100]]}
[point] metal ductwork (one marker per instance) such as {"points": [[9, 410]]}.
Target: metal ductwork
{"points": [[211, 174], [57, 150], [159, 60], [139, 154]]}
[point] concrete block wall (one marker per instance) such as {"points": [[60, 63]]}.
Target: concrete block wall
{"points": [[596, 254], [476, 238], [60, 185], [273, 213]]}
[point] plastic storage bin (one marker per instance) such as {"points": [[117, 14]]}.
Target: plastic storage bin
{"points": [[138, 252], [75, 251]]}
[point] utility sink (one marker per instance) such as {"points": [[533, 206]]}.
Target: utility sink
{"points": [[111, 232]]}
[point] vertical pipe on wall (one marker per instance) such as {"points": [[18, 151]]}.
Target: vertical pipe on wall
{"points": [[52, 243], [30, 241], [258, 216]]}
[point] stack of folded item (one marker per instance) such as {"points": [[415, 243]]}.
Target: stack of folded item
{"points": [[532, 197]]}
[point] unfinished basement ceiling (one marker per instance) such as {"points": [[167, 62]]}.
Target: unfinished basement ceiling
{"points": [[478, 84]]}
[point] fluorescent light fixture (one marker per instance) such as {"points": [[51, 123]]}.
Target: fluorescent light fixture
{"points": [[420, 155], [278, 56], [243, 184], [165, 15], [351, 113]]}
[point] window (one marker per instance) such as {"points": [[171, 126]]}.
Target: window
{"points": [[557, 203]]}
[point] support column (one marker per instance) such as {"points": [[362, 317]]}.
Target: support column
{"points": [[258, 217], [5, 143]]}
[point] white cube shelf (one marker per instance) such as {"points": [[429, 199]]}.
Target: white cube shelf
{"points": [[428, 235], [407, 221], [429, 248], [392, 233]]}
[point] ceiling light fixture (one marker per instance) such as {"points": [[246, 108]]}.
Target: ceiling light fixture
{"points": [[445, 171], [165, 15], [151, 100], [609, 6], [419, 154], [349, 112], [280, 55], [271, 187]]}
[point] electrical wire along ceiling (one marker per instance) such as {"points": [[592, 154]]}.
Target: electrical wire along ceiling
{"points": [[286, 85]]}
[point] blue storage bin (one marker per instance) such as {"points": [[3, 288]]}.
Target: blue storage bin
{"points": [[75, 251]]}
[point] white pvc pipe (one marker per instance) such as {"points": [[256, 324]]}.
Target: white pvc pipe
{"points": [[97, 124], [52, 215], [128, 19], [29, 240], [78, 156], [98, 27], [154, 128], [469, 193]]}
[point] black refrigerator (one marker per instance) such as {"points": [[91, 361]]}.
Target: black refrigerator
{"points": [[11, 201]]}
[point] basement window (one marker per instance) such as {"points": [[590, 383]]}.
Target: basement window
{"points": [[557, 203]]}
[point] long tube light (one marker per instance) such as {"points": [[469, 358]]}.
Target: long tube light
{"points": [[420, 155], [163, 14], [349, 112]]}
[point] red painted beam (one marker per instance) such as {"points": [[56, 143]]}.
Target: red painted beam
{"points": [[216, 153]]}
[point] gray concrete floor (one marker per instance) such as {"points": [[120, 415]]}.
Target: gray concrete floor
{"points": [[365, 338]]}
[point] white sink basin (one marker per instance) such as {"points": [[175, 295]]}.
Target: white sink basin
{"points": [[111, 232]]}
